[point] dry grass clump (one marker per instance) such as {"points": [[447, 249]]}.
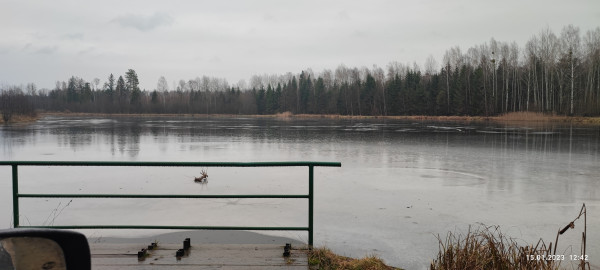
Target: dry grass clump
{"points": [[529, 116], [325, 259], [22, 118], [536, 117], [488, 248], [286, 114], [586, 120]]}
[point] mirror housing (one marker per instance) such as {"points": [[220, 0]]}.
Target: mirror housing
{"points": [[73, 246]]}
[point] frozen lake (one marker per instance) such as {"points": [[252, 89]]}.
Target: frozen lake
{"points": [[400, 185]]}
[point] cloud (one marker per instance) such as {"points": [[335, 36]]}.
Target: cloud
{"points": [[4, 49], [32, 49], [343, 15], [269, 17], [78, 36], [359, 33], [86, 51], [144, 23], [47, 50], [26, 47]]}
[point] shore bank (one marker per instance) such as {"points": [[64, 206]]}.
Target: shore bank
{"points": [[516, 117], [19, 118]]}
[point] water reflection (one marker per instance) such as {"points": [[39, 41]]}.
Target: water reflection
{"points": [[483, 149]]}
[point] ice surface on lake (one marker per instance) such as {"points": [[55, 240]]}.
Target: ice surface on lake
{"points": [[401, 183]]}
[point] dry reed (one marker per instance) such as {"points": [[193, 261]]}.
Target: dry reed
{"points": [[488, 248], [529, 116]]}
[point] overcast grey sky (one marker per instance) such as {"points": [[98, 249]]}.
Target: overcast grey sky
{"points": [[46, 41]]}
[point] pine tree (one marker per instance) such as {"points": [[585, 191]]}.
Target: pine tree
{"points": [[132, 87], [131, 80], [271, 102], [109, 87], [72, 91], [304, 86], [320, 100], [367, 95], [121, 91]]}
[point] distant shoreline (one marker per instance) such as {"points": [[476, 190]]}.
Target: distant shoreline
{"points": [[20, 118], [517, 117]]}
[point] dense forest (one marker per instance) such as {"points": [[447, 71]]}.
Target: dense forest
{"points": [[557, 74]]}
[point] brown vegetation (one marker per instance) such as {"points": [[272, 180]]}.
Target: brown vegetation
{"points": [[22, 118], [541, 117], [488, 248], [286, 114], [324, 259], [203, 177], [529, 117]]}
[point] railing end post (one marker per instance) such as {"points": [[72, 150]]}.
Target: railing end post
{"points": [[311, 197], [15, 190]]}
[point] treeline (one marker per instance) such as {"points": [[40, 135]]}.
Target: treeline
{"points": [[552, 73], [14, 102]]}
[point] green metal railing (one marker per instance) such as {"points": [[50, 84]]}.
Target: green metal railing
{"points": [[309, 196]]}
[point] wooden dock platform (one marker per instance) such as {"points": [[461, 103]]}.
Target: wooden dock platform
{"points": [[108, 256]]}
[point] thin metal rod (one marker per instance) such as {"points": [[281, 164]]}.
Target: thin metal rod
{"points": [[154, 196], [15, 190], [226, 228], [311, 197], [173, 164]]}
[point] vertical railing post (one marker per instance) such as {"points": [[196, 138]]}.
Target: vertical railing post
{"points": [[15, 188], [311, 197]]}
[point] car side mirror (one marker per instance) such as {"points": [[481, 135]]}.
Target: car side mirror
{"points": [[43, 249]]}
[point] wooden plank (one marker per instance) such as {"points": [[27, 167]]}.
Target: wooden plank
{"points": [[205, 256]]}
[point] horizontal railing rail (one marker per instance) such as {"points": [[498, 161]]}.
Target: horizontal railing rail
{"points": [[174, 163], [309, 196]]}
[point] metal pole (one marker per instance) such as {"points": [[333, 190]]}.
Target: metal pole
{"points": [[15, 186], [310, 206]]}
